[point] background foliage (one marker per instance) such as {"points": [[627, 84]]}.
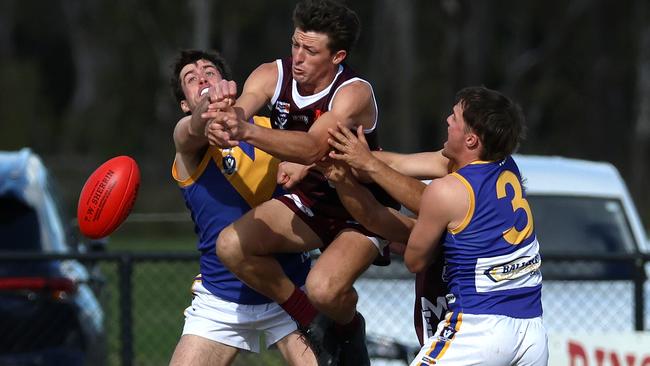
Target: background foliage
{"points": [[83, 81]]}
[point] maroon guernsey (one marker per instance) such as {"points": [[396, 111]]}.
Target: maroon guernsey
{"points": [[292, 111]]}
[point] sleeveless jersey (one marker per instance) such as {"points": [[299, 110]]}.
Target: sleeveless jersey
{"points": [[492, 258], [292, 111], [216, 199]]}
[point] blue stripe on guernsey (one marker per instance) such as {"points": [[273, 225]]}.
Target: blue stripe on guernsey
{"points": [[453, 321], [249, 149], [492, 257], [215, 200]]}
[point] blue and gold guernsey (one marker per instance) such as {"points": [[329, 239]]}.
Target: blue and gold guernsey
{"points": [[492, 257], [217, 197]]}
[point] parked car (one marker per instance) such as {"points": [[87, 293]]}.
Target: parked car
{"points": [[584, 208], [579, 207], [49, 314]]}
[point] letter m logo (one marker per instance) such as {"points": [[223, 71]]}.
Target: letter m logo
{"points": [[432, 314]]}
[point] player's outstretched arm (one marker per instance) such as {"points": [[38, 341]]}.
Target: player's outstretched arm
{"points": [[423, 165], [353, 150], [365, 208], [189, 134], [306, 147], [258, 90]]}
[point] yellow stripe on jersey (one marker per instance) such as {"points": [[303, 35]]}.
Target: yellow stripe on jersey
{"points": [[472, 204], [262, 121], [255, 180], [477, 162], [196, 174]]}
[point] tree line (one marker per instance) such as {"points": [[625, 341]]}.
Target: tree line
{"points": [[83, 81]]}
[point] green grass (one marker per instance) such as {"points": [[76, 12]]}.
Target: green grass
{"points": [[148, 243], [161, 291]]}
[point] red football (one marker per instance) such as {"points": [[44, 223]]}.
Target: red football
{"points": [[108, 196]]}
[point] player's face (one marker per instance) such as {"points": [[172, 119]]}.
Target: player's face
{"points": [[195, 78], [456, 133], [313, 62]]}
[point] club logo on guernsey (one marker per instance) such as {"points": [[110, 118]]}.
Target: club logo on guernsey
{"points": [[514, 269], [229, 164], [283, 113]]}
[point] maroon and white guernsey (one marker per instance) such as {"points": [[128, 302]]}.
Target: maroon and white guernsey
{"points": [[292, 111]]}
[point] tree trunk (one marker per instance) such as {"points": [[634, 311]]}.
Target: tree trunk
{"points": [[7, 14], [88, 58], [641, 141], [393, 50], [201, 11]]}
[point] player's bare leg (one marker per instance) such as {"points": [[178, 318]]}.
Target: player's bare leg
{"points": [[295, 351], [246, 247], [198, 351], [330, 287], [330, 281]]}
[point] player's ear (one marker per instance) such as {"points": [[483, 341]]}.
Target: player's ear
{"points": [[472, 141], [339, 56], [184, 107]]}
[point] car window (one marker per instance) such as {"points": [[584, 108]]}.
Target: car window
{"points": [[55, 215], [19, 227], [582, 225]]}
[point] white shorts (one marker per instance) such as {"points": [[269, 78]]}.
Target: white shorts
{"points": [[235, 324], [494, 340]]}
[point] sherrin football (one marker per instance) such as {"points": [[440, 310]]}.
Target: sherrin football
{"points": [[108, 196]]}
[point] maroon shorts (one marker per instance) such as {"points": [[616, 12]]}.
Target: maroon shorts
{"points": [[430, 302], [327, 227]]}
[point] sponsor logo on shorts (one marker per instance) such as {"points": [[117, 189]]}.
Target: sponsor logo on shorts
{"points": [[447, 334], [428, 360], [514, 269]]}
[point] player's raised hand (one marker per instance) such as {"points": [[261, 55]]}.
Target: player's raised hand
{"points": [[222, 95], [350, 148], [232, 122], [290, 174], [218, 135], [335, 171]]}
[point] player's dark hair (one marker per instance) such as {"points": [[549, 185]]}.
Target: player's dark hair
{"points": [[497, 120], [186, 57], [338, 22]]}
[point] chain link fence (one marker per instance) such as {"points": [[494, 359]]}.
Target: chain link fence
{"points": [[143, 295]]}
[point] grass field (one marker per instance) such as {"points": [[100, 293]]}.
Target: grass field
{"points": [[161, 291]]}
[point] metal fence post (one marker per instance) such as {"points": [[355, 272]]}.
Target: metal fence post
{"points": [[639, 298], [126, 306]]}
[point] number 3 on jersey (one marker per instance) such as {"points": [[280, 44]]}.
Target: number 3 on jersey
{"points": [[512, 235]]}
